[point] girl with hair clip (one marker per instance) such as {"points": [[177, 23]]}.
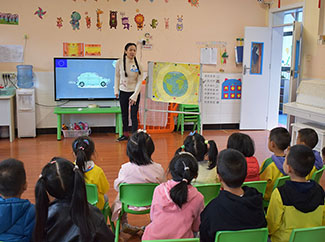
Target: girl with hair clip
{"points": [[206, 152], [83, 148], [128, 79], [176, 204], [244, 144], [68, 217], [139, 169]]}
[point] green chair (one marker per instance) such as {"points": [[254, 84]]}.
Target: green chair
{"points": [[92, 194], [92, 198], [318, 174], [174, 240], [247, 235], [278, 183], [186, 118], [209, 191], [260, 186], [316, 234], [136, 195]]}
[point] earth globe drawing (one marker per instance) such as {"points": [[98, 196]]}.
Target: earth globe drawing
{"points": [[175, 84]]}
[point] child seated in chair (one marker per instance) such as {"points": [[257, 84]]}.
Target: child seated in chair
{"points": [[236, 207], [17, 216], [298, 203], [272, 168], [309, 138], [139, 169], [83, 149], [205, 152], [176, 204]]}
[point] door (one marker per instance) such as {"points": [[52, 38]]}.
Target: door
{"points": [[256, 78]]}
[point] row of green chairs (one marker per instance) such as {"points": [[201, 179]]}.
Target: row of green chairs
{"points": [[316, 234]]}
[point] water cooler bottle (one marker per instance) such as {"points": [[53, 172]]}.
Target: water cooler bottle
{"points": [[26, 118]]}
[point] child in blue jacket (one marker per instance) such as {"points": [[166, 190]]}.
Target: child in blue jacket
{"points": [[17, 216]]}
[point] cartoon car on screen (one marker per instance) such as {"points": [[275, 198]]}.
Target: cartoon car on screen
{"points": [[92, 80]]}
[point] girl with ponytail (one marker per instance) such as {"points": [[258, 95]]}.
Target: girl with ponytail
{"points": [[205, 152], [139, 169], [83, 148], [68, 217], [128, 79], [176, 204]]}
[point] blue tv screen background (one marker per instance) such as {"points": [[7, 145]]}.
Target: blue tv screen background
{"points": [[84, 79]]}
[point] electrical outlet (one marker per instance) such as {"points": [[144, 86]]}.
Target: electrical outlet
{"points": [[25, 36]]}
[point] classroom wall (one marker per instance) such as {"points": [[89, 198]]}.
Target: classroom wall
{"points": [[209, 24]]}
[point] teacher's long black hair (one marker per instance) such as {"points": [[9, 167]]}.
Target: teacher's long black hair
{"points": [[135, 59]]}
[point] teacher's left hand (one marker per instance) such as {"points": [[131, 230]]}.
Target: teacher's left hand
{"points": [[132, 102]]}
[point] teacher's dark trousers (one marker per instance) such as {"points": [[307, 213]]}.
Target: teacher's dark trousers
{"points": [[124, 103]]}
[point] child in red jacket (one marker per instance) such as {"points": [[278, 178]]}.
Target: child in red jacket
{"points": [[245, 144]]}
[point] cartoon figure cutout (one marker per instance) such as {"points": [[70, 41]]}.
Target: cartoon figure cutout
{"points": [[194, 3], [99, 24], [154, 23], [179, 25], [166, 23], [139, 20], [59, 22], [112, 19], [88, 20], [75, 18]]}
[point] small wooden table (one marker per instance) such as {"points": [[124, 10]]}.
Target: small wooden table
{"points": [[62, 110]]}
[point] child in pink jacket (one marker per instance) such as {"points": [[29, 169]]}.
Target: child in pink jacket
{"points": [[176, 205]]}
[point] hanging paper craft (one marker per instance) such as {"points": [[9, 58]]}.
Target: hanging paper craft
{"points": [[73, 49], [88, 20], [224, 56], [75, 18], [125, 21], [59, 22], [139, 20], [194, 3], [112, 19], [166, 23], [175, 83], [8, 18], [99, 24], [93, 50], [40, 13], [179, 25], [231, 89], [147, 44], [154, 23]]}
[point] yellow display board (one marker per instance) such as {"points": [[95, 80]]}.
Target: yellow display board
{"points": [[174, 82]]}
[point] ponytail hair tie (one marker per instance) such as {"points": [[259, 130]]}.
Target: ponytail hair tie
{"points": [[183, 146], [86, 141], [184, 180], [75, 167], [206, 142], [81, 148]]}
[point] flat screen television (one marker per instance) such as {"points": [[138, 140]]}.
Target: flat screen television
{"points": [[84, 78]]}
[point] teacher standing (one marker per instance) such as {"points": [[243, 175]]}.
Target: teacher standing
{"points": [[128, 79]]}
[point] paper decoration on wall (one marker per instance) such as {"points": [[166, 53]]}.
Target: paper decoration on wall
{"points": [[11, 53], [59, 22], [179, 25], [166, 23], [154, 23], [224, 56], [40, 13], [93, 50], [99, 24], [125, 21], [208, 56], [177, 83], [88, 20], [136, 1], [112, 19], [9, 18], [231, 89], [147, 38], [211, 88], [151, 1], [166, 1], [194, 3], [139, 20], [75, 18], [73, 49]]}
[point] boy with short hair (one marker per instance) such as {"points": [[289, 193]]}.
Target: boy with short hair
{"points": [[17, 216], [299, 203], [236, 207], [272, 168], [309, 138]]}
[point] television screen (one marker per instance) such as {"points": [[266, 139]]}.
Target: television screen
{"points": [[84, 78]]}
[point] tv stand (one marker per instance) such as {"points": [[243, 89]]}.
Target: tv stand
{"points": [[59, 111]]}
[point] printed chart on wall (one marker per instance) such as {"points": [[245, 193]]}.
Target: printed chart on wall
{"points": [[174, 82]]}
